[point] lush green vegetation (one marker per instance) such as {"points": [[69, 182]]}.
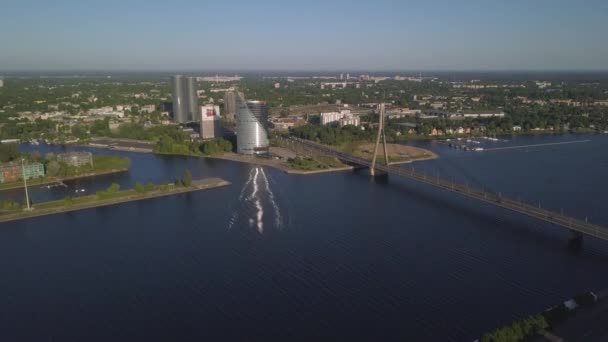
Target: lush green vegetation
{"points": [[56, 169], [78, 94], [9, 205], [330, 135], [517, 331], [306, 164], [112, 192], [9, 152], [526, 105], [216, 146], [316, 163], [168, 145], [101, 163]]}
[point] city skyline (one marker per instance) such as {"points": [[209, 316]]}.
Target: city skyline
{"points": [[316, 36]]}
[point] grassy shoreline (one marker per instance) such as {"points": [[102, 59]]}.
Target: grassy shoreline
{"points": [[94, 201]]}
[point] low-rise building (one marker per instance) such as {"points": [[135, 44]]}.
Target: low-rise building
{"points": [[483, 114], [283, 124], [76, 159], [13, 171], [349, 120], [336, 117], [148, 108], [434, 114]]}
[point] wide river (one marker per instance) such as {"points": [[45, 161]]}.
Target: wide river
{"points": [[325, 257]]}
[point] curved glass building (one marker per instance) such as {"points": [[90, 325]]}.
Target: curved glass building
{"points": [[251, 127]]}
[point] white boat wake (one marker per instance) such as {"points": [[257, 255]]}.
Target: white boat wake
{"points": [[260, 193]]}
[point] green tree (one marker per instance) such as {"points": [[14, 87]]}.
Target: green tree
{"points": [[35, 156], [53, 168], [8, 152], [114, 188], [188, 178], [139, 188]]}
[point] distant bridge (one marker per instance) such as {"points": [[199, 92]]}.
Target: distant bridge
{"points": [[576, 226]]}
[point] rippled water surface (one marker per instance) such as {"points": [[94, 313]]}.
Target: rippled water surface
{"points": [[334, 256]]}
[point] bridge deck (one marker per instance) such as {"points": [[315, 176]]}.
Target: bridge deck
{"points": [[501, 201]]}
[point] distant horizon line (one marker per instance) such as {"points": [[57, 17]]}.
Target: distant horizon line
{"points": [[324, 71]]}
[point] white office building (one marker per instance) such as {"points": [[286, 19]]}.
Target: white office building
{"points": [[210, 121]]}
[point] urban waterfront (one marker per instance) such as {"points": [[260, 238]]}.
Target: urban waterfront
{"points": [[332, 256]]}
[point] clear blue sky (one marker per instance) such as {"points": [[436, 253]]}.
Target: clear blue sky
{"points": [[303, 35]]}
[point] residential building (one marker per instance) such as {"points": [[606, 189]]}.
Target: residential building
{"points": [[252, 127], [283, 124], [342, 118], [433, 114], [76, 159], [210, 121], [331, 117], [601, 103], [349, 120], [12, 172], [483, 114], [147, 109]]}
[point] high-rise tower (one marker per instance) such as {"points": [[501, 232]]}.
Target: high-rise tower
{"points": [[251, 126], [230, 105], [179, 99], [185, 99], [192, 108]]}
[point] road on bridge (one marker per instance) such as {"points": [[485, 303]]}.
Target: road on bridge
{"points": [[575, 225]]}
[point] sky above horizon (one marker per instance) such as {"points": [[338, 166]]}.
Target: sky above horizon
{"points": [[303, 35]]}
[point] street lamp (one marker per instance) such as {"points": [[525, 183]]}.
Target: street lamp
{"points": [[27, 197]]}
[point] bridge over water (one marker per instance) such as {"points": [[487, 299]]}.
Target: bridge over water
{"points": [[576, 226]]}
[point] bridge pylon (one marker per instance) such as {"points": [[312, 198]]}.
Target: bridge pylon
{"points": [[372, 168]]}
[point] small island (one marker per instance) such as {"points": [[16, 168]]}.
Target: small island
{"points": [[53, 168], [12, 211], [397, 153]]}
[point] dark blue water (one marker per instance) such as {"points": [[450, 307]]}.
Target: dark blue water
{"points": [[334, 256]]}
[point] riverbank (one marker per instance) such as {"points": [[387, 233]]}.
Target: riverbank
{"points": [[54, 180], [94, 201], [279, 164], [397, 153], [127, 145], [571, 319]]}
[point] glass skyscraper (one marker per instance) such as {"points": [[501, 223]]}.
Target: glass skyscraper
{"points": [[179, 99], [185, 100], [192, 102], [251, 127]]}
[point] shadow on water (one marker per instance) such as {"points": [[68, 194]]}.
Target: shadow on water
{"points": [[523, 228]]}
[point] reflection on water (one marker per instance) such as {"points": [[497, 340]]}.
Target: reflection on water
{"points": [[251, 207]]}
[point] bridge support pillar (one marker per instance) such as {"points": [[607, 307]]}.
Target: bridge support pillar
{"points": [[576, 240], [378, 175]]}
